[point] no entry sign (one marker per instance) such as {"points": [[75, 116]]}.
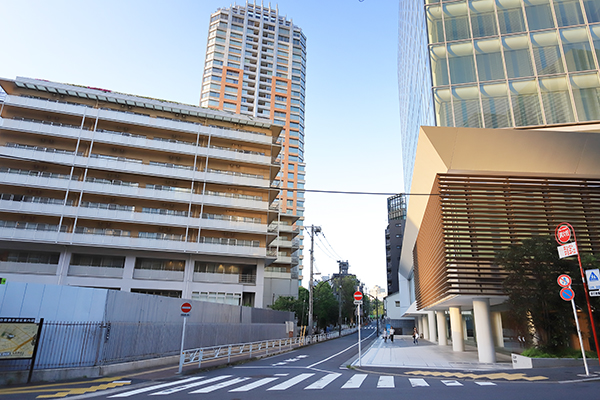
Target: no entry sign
{"points": [[358, 296], [186, 308], [563, 234]]}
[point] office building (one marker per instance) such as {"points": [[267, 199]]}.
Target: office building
{"points": [[107, 190], [396, 206], [496, 64], [255, 65], [490, 188]]}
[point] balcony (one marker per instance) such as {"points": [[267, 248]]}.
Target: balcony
{"points": [[97, 272], [216, 278], [158, 275], [28, 268]]}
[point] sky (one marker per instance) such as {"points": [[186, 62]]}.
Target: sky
{"points": [[156, 48]]}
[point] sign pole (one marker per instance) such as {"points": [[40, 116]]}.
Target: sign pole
{"points": [[35, 349], [561, 233], [587, 371], [181, 355], [359, 348]]}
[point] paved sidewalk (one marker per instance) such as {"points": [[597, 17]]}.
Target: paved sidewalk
{"points": [[402, 353]]}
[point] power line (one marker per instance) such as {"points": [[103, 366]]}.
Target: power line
{"points": [[330, 246]]}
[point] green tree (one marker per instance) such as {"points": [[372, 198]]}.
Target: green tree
{"points": [[325, 306], [349, 285], [532, 269], [299, 305]]}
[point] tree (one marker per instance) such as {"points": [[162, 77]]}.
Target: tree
{"points": [[325, 305], [297, 305], [532, 269], [349, 285]]}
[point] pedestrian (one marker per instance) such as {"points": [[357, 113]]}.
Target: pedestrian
{"points": [[415, 335], [392, 334], [385, 335]]}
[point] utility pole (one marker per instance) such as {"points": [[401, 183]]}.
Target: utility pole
{"points": [[313, 229]]}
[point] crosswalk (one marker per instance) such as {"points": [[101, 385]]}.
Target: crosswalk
{"points": [[282, 382]]}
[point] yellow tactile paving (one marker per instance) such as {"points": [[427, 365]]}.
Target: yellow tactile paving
{"points": [[497, 375]]}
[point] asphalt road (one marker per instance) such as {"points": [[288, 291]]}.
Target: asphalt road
{"points": [[318, 371]]}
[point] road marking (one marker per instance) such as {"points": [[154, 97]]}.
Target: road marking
{"points": [[484, 383], [385, 381], [494, 376], [254, 385], [150, 388], [291, 382], [337, 354], [302, 356], [280, 374], [324, 381], [418, 382], [355, 381], [219, 385], [189, 385], [452, 383]]}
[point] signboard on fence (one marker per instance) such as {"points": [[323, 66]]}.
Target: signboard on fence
{"points": [[17, 337]]}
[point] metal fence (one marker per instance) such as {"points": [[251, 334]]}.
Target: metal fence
{"points": [[86, 344]]}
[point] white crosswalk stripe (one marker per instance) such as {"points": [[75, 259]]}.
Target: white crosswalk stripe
{"points": [[418, 382], [355, 381], [452, 383], [219, 385], [155, 387], [385, 382], [254, 385], [291, 382], [189, 385], [324, 381]]}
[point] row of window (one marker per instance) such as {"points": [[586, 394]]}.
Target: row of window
{"points": [[459, 20]]}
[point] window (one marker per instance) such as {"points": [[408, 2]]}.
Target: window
{"points": [[159, 265], [290, 176], [397, 304], [229, 106]]}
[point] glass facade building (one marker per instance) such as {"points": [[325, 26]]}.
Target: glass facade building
{"points": [[501, 63]]}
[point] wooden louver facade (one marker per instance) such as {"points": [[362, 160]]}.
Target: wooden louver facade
{"points": [[469, 218]]}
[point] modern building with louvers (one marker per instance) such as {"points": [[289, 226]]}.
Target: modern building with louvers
{"points": [[255, 65], [109, 190], [488, 189]]}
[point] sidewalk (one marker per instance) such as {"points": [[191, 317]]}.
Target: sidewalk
{"points": [[402, 353]]}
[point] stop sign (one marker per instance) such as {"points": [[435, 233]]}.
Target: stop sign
{"points": [[358, 296], [186, 307], [563, 234]]}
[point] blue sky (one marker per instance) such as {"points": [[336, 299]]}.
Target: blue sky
{"points": [[156, 48]]}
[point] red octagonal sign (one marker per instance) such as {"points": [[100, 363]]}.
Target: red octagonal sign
{"points": [[186, 307], [358, 296]]}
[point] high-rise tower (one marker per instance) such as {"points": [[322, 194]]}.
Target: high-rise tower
{"points": [[497, 64], [255, 65]]}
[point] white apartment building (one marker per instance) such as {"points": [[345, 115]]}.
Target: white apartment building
{"points": [[255, 65], [108, 190]]}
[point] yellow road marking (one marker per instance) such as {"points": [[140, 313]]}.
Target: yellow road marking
{"points": [[83, 390], [500, 375], [54, 386]]}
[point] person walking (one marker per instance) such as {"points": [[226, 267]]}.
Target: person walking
{"points": [[392, 334], [415, 335], [385, 335]]}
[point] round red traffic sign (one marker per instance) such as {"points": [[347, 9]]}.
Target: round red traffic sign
{"points": [[564, 280], [567, 294], [563, 233], [186, 307], [358, 296]]}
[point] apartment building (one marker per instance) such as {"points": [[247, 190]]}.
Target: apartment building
{"points": [[255, 65], [108, 190]]}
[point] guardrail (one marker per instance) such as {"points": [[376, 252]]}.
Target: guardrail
{"points": [[250, 349]]}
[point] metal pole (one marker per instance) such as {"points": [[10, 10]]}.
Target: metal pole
{"points": [[181, 355], [313, 229], [587, 372], [377, 313], [587, 295], [340, 304], [359, 348]]}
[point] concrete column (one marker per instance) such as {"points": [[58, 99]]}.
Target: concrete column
{"points": [[442, 329], [420, 324], [432, 331], [456, 328], [497, 329], [483, 327], [425, 323]]}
